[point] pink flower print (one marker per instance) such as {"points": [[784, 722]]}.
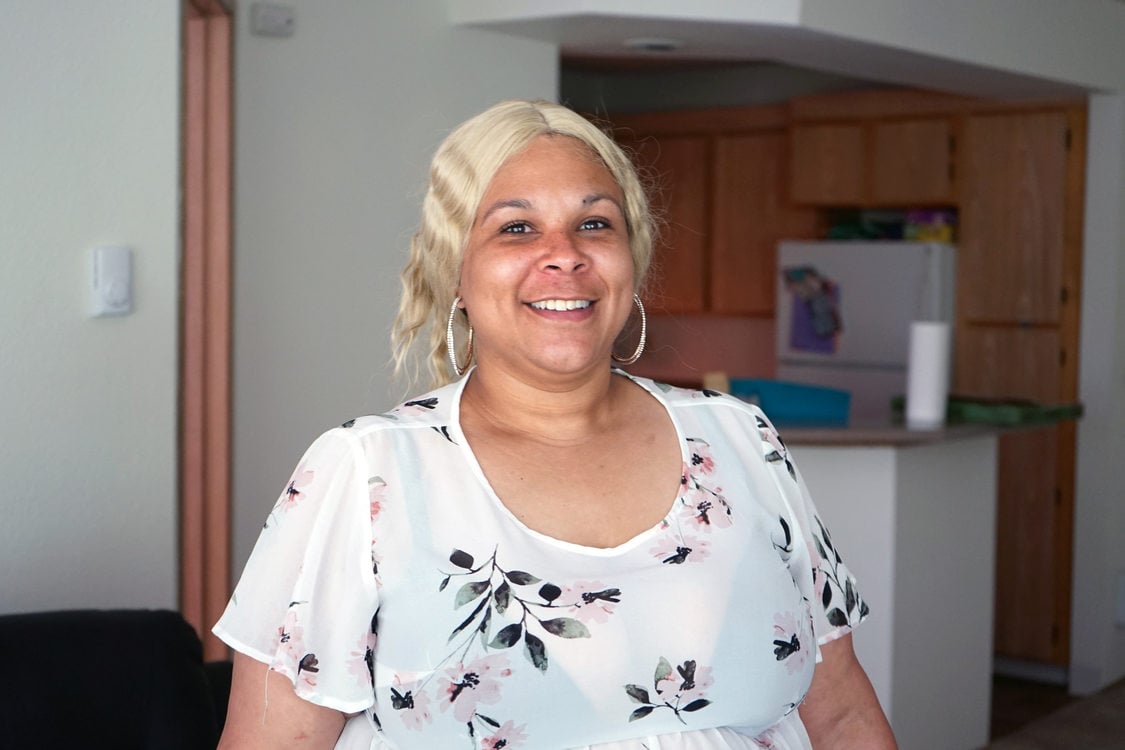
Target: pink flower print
{"points": [[465, 686], [676, 550], [509, 735], [790, 641], [293, 492], [707, 510], [590, 601], [291, 658], [685, 686], [770, 437], [411, 704], [361, 661], [700, 461], [377, 490]]}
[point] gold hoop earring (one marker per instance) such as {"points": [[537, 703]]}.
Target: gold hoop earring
{"points": [[640, 344], [449, 345]]}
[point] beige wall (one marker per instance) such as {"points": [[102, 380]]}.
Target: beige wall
{"points": [[88, 135]]}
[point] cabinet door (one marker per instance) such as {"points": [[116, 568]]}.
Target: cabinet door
{"points": [[1033, 550], [1013, 188], [677, 170], [827, 163], [1008, 362], [750, 216], [912, 163]]}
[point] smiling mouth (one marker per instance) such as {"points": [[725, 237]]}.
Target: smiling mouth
{"points": [[561, 304]]}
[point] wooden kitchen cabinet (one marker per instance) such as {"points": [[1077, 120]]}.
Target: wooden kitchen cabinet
{"points": [[828, 164], [912, 162], [680, 169], [1012, 213], [750, 216], [720, 179], [873, 163]]}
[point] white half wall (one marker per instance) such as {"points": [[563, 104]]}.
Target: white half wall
{"points": [[335, 128], [88, 148]]}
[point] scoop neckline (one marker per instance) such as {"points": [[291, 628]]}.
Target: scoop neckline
{"points": [[619, 549]]}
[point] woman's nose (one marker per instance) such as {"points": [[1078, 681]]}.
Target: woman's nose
{"points": [[563, 253]]}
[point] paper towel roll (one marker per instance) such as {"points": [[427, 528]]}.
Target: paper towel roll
{"points": [[927, 374]]}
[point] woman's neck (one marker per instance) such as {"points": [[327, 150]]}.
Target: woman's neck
{"points": [[563, 412]]}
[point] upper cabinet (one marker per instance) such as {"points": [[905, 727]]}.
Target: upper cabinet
{"points": [[1013, 210], [718, 181]]}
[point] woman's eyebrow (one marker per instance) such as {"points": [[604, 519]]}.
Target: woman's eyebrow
{"points": [[510, 203], [593, 198]]}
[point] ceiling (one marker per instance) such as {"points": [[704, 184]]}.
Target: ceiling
{"points": [[601, 42]]}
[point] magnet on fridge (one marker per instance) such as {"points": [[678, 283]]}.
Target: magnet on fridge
{"points": [[111, 280]]}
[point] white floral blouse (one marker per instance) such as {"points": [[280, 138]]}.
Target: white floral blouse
{"points": [[389, 580]]}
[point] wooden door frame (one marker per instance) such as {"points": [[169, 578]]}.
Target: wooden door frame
{"points": [[205, 316]]}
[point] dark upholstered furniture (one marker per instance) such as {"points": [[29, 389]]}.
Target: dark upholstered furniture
{"points": [[124, 679]]}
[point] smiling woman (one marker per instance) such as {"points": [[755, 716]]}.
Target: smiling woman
{"points": [[545, 552]]}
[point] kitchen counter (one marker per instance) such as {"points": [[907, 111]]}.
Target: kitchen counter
{"points": [[913, 514], [885, 434]]}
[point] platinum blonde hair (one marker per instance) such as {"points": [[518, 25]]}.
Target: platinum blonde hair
{"points": [[460, 173]]}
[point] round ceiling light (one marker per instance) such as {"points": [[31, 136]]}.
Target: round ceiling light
{"points": [[653, 44]]}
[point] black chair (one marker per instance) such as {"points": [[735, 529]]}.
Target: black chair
{"points": [[123, 679]]}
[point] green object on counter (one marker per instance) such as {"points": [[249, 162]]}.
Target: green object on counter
{"points": [[999, 412]]}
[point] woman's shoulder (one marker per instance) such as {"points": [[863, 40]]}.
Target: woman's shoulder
{"points": [[431, 410], [676, 397]]}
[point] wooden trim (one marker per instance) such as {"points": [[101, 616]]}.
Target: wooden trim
{"points": [[713, 121], [1070, 309], [877, 104], [205, 319]]}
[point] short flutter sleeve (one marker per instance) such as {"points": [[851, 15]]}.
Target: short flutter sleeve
{"points": [[826, 582], [307, 598]]}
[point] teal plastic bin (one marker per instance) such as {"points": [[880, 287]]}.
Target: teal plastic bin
{"points": [[794, 404]]}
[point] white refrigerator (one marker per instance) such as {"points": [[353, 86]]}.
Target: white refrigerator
{"points": [[844, 310]]}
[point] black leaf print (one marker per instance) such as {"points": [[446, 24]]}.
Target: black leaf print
{"points": [[508, 636], [679, 558], [444, 432], [443, 584], [849, 596], [308, 663], [469, 592], [467, 621], [784, 649], [349, 423], [710, 393], [826, 599], [520, 578], [400, 701], [501, 597], [488, 720], [566, 627], [687, 672], [837, 618], [534, 650], [697, 704], [549, 592], [425, 403], [461, 559], [637, 693], [641, 712]]}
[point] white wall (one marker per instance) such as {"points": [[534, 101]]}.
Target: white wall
{"points": [[335, 128], [1098, 644], [88, 155]]}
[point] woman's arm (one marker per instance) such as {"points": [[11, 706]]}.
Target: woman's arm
{"points": [[841, 711], [265, 713]]}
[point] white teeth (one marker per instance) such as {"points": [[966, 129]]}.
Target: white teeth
{"points": [[561, 304]]}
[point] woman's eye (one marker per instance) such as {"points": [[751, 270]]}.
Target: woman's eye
{"points": [[594, 224], [515, 227]]}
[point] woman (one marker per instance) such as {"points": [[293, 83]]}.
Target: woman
{"points": [[546, 552]]}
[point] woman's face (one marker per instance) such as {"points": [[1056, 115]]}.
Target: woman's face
{"points": [[547, 276]]}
